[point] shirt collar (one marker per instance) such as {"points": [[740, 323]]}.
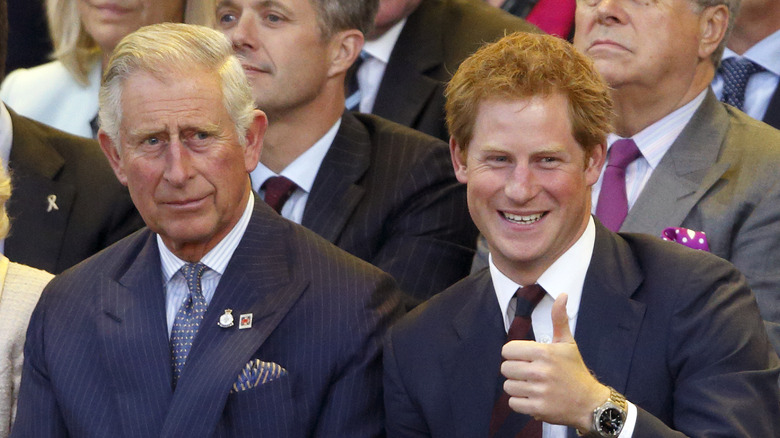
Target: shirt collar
{"points": [[219, 256], [763, 53], [655, 140], [382, 47], [565, 275], [303, 170], [6, 134]]}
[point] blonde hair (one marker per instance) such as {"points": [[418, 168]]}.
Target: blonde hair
{"points": [[78, 51], [161, 48], [5, 193], [521, 66]]}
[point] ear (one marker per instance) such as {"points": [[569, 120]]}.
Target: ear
{"points": [[345, 47], [254, 140], [114, 158], [713, 22], [594, 164], [459, 157]]}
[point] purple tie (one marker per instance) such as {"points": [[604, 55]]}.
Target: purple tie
{"points": [[278, 190], [612, 206], [520, 329]]}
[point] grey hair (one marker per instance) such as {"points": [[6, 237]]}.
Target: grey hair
{"points": [[166, 47], [733, 8], [78, 51], [337, 15]]}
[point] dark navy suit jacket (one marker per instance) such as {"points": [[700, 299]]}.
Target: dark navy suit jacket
{"points": [[436, 38], [675, 330], [772, 116], [93, 209], [388, 195], [98, 362]]}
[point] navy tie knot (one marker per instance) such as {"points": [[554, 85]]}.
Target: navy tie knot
{"points": [[736, 73]]}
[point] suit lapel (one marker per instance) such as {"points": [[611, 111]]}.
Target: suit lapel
{"points": [[472, 367], [608, 321], [686, 172], [406, 86], [134, 336], [336, 193], [35, 165], [260, 280]]}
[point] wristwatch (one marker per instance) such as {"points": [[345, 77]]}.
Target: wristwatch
{"points": [[609, 418]]}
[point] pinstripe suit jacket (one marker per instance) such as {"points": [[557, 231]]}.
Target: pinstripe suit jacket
{"points": [[98, 362], [388, 194]]}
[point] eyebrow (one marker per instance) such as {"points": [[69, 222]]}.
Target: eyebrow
{"points": [[256, 5]]}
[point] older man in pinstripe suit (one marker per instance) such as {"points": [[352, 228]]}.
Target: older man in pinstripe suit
{"points": [[376, 189], [222, 318]]}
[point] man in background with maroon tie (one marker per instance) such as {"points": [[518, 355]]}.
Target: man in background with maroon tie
{"points": [[609, 334], [378, 190]]}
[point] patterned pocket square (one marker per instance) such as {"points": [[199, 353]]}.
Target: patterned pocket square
{"points": [[684, 236], [256, 373]]}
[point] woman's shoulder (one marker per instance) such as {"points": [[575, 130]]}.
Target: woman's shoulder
{"points": [[25, 80]]}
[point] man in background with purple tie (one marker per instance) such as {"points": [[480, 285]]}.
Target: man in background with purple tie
{"points": [[677, 156], [378, 190], [607, 334]]}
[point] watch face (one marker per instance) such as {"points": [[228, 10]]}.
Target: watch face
{"points": [[611, 421]]}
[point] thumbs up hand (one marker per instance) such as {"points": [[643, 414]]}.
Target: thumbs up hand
{"points": [[550, 381], [560, 320]]}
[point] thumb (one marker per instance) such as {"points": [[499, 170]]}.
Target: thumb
{"points": [[560, 321]]}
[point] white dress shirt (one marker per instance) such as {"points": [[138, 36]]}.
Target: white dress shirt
{"points": [[761, 86], [565, 275], [216, 260], [373, 69], [302, 171], [653, 142]]}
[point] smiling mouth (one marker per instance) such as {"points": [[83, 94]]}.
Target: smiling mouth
{"points": [[523, 219]]}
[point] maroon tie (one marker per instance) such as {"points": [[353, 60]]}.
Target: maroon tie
{"points": [[520, 329], [612, 206], [277, 191]]}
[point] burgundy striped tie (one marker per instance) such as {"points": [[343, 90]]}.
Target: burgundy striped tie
{"points": [[520, 329]]}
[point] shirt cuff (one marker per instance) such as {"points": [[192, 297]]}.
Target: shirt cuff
{"points": [[628, 428]]}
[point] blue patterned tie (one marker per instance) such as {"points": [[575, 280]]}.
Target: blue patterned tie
{"points": [[188, 319], [352, 88], [736, 72]]}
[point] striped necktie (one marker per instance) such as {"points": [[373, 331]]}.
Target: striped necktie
{"points": [[520, 329]]}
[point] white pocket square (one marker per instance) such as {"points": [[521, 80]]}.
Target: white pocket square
{"points": [[257, 372]]}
